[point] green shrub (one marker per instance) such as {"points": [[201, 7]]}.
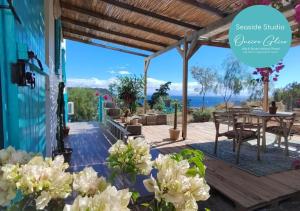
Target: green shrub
{"points": [[201, 116], [160, 104]]}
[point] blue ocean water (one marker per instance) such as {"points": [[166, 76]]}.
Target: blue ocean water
{"points": [[210, 101]]}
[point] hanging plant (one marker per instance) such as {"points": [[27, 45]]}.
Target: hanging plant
{"points": [[268, 73]]}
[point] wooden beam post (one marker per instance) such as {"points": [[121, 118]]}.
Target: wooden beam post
{"points": [[266, 96], [185, 88], [146, 66]]}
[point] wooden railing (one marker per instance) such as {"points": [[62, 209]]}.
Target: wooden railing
{"points": [[116, 130]]}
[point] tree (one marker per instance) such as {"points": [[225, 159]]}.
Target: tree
{"points": [[233, 79], [85, 103], [290, 95], [207, 78], [130, 89], [160, 94]]}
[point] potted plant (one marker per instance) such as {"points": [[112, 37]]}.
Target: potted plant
{"points": [[174, 132], [66, 131], [61, 125], [273, 108]]}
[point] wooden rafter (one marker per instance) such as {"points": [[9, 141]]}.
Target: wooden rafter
{"points": [[117, 21], [205, 7], [223, 44], [151, 14], [215, 29], [101, 29], [73, 38], [94, 36]]}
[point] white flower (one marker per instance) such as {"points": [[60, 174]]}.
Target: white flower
{"points": [[7, 191], [174, 186], [118, 147], [109, 200], [43, 200], [87, 182], [135, 153], [45, 177]]}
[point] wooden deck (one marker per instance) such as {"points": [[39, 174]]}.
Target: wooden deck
{"points": [[246, 190]]}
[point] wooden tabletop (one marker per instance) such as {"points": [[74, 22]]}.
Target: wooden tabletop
{"points": [[266, 114]]}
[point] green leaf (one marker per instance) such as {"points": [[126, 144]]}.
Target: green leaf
{"points": [[135, 195]]}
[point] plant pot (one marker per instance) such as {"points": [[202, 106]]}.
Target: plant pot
{"points": [[122, 119], [272, 110], [174, 134], [134, 121], [66, 131]]}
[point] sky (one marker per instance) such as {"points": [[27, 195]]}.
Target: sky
{"points": [[91, 66]]}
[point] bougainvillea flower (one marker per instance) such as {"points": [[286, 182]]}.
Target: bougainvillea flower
{"points": [[257, 2], [297, 15]]}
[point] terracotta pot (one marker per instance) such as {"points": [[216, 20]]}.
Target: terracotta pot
{"points": [[174, 134], [272, 110], [122, 119], [134, 121]]}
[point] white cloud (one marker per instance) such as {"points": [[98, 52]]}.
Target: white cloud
{"points": [[175, 88], [124, 72], [112, 72], [121, 72], [90, 82]]}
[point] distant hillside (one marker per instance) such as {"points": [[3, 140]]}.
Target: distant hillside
{"points": [[100, 90], [85, 102]]}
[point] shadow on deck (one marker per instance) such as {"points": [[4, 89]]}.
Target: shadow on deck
{"points": [[232, 188], [276, 192]]}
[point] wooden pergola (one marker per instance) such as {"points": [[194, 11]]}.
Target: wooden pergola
{"points": [[156, 26]]}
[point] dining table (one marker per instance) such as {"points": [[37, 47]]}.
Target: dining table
{"points": [[279, 117]]}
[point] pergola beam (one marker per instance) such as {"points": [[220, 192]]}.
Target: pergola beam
{"points": [[151, 14], [205, 7], [73, 38], [101, 29], [216, 28], [146, 66], [91, 35], [117, 21], [185, 88]]}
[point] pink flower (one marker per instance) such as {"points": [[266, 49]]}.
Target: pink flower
{"points": [[265, 2], [296, 164], [257, 2], [297, 15]]}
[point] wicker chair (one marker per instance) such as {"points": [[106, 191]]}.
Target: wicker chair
{"points": [[239, 133], [283, 129]]}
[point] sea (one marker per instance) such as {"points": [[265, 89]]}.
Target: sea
{"points": [[210, 101]]}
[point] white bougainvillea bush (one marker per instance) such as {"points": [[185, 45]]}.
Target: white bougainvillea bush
{"points": [[45, 183]]}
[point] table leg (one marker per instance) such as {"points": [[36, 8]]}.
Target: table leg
{"points": [[264, 134]]}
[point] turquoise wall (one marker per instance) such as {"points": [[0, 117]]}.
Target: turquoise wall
{"points": [[25, 119]]}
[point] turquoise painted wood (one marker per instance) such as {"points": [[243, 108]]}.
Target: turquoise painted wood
{"points": [[57, 45], [24, 110], [9, 91]]}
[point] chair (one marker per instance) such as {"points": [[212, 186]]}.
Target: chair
{"points": [[282, 130], [223, 118], [246, 130], [239, 133]]}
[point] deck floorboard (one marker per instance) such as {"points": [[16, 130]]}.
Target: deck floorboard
{"points": [[244, 189]]}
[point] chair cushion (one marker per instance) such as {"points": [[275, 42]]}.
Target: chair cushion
{"points": [[275, 130], [248, 125], [246, 134]]}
